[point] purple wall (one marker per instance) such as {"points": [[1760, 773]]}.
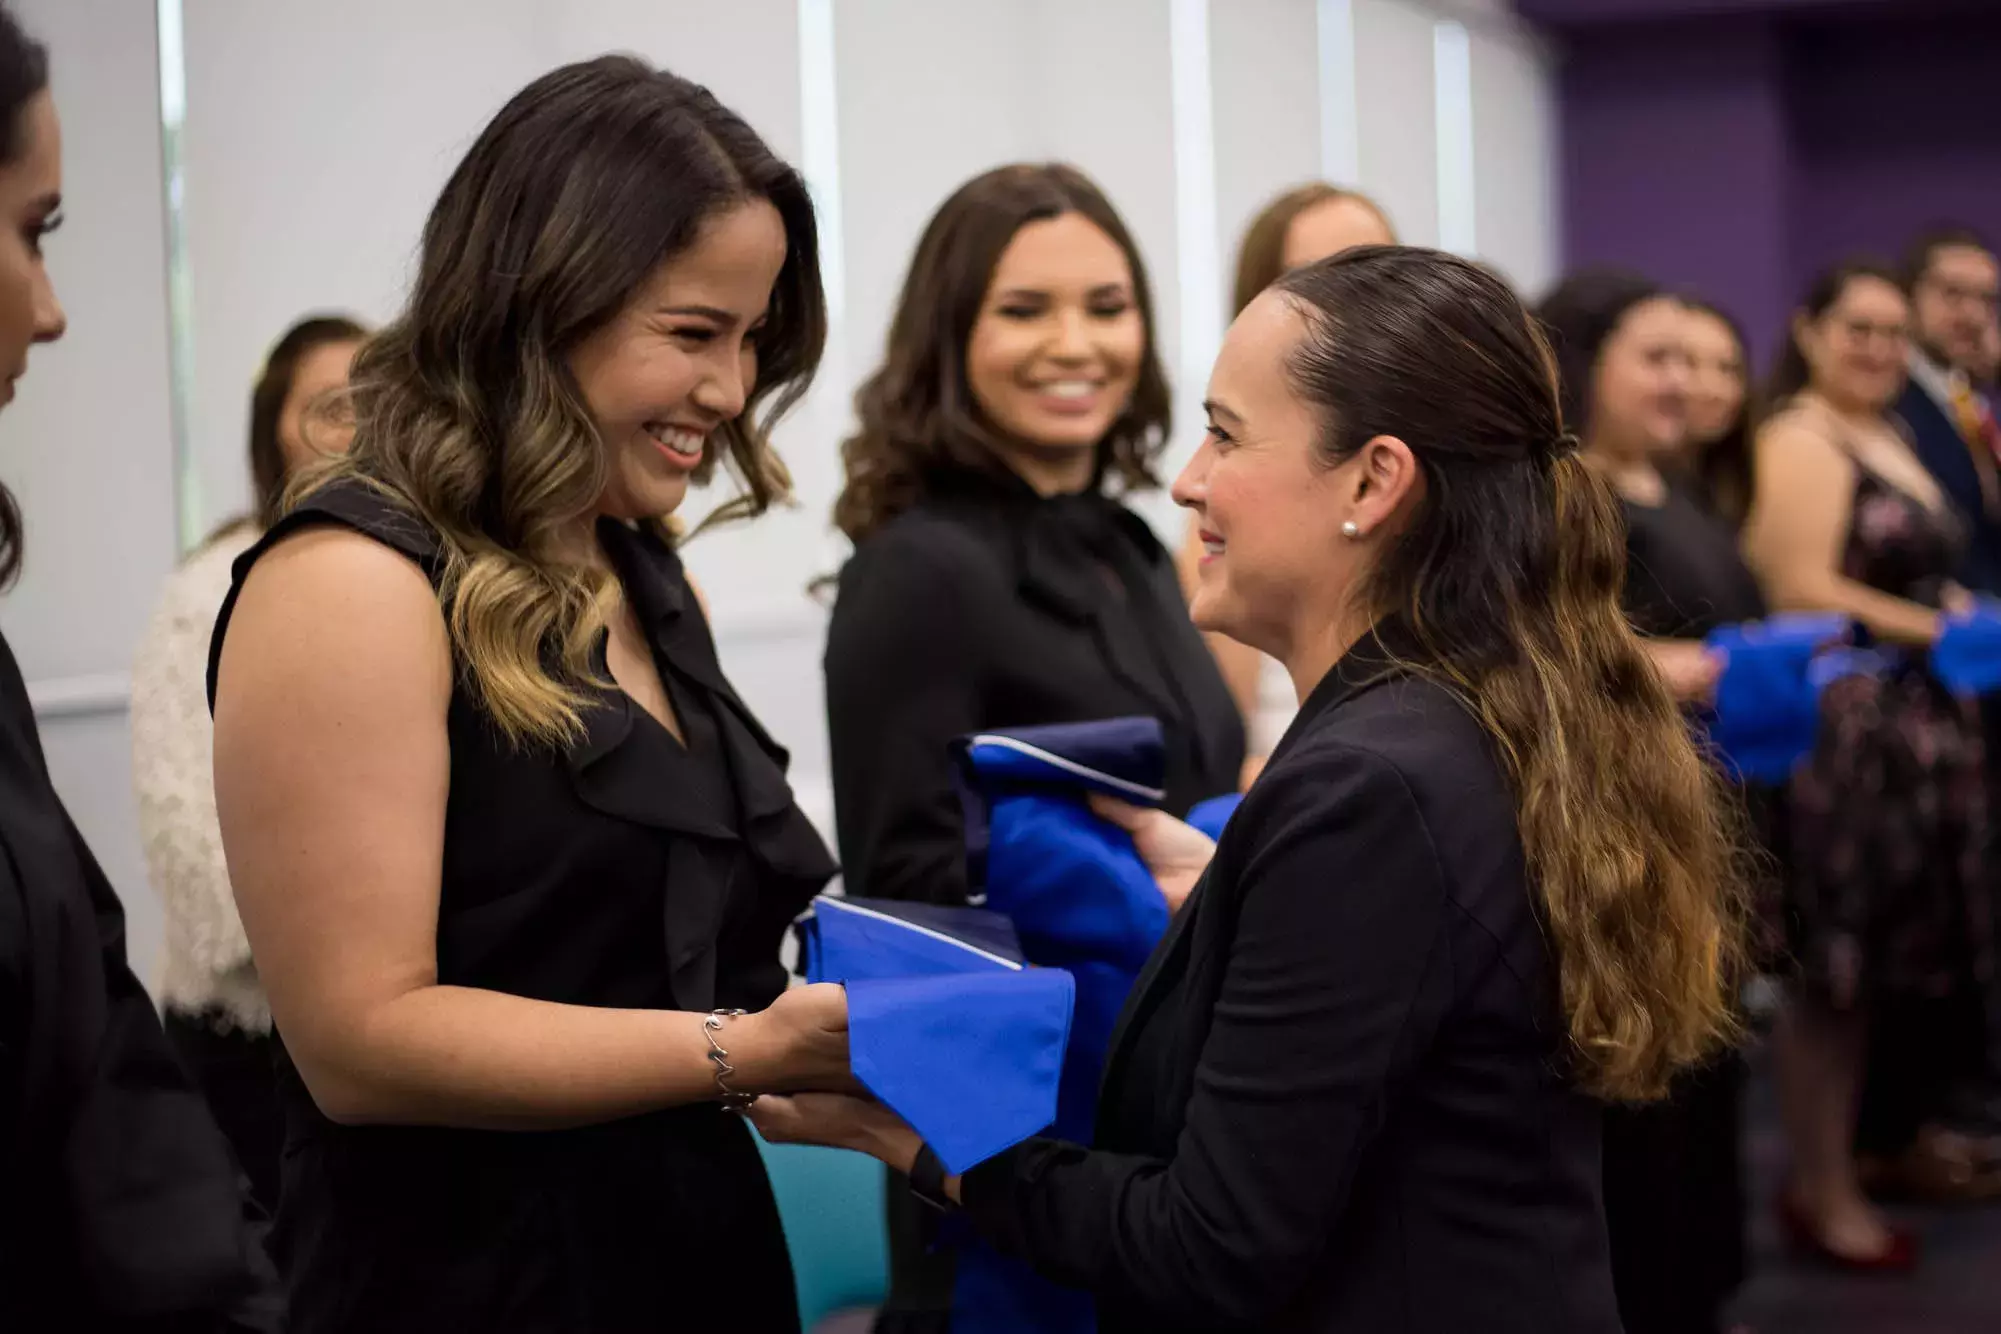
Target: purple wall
{"points": [[1864, 180], [1671, 141], [1735, 155]]}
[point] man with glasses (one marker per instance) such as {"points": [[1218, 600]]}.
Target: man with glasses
{"points": [[1952, 278]]}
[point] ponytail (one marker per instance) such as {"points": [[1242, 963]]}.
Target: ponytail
{"points": [[1623, 822], [1509, 573]]}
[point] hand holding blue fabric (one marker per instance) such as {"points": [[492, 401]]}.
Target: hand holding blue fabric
{"points": [[1176, 853], [1766, 717], [838, 1121], [946, 1026], [1967, 656]]}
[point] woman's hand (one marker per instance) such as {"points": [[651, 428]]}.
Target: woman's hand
{"points": [[1177, 854], [838, 1121], [799, 1042], [1690, 668]]}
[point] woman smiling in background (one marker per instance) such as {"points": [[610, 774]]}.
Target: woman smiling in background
{"points": [[996, 580]]}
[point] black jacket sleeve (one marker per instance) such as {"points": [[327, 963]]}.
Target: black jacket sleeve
{"points": [[1335, 982], [120, 1201], [904, 669]]}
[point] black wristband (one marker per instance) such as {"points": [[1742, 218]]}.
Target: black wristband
{"points": [[927, 1180]]}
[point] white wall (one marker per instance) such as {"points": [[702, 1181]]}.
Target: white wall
{"points": [[315, 138]]}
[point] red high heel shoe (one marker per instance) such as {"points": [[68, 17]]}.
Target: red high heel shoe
{"points": [[1900, 1256]]}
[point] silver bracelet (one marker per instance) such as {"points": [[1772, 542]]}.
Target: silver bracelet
{"points": [[712, 1024]]}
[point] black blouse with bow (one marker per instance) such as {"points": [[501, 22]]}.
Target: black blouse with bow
{"points": [[629, 871], [988, 606]]}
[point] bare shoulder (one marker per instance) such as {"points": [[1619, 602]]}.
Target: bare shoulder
{"points": [[1798, 443], [1798, 427], [331, 606]]}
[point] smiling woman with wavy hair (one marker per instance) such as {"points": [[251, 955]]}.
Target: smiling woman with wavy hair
{"points": [[511, 853], [468, 412]]}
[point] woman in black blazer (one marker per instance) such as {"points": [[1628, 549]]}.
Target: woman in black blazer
{"points": [[1481, 888]]}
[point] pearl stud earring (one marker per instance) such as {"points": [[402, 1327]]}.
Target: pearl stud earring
{"points": [[1351, 529]]}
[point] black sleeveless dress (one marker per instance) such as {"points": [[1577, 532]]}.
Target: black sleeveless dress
{"points": [[630, 871]]}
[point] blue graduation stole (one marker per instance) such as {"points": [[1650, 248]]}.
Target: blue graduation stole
{"points": [[1071, 883], [1967, 656], [1766, 716], [950, 1029], [1081, 900], [947, 1026]]}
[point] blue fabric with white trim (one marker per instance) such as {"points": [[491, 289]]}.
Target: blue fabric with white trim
{"points": [[1081, 900], [1073, 885], [946, 1026]]}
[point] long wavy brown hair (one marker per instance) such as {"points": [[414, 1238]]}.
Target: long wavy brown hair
{"points": [[917, 412], [1509, 574], [466, 411], [1261, 257]]}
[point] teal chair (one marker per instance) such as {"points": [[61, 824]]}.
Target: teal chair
{"points": [[831, 1202]]}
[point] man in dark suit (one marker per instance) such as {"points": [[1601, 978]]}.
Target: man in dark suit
{"points": [[1952, 277]]}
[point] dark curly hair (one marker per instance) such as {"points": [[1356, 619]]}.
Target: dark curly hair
{"points": [[917, 411]]}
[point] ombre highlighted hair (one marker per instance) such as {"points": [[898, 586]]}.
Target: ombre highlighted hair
{"points": [[466, 411]]}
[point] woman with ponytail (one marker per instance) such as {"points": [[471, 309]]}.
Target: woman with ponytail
{"points": [[1483, 887]]}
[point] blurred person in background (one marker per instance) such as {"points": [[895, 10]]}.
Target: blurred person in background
{"points": [[1889, 839], [1715, 458], [1674, 1187], [1954, 285], [121, 1208], [1306, 223], [997, 579], [216, 1011]]}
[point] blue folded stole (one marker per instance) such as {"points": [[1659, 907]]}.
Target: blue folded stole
{"points": [[1081, 900], [1072, 884], [1119, 757], [1967, 657], [844, 939], [1766, 715], [947, 1027]]}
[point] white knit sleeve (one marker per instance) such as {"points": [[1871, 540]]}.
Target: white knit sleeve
{"points": [[172, 765]]}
